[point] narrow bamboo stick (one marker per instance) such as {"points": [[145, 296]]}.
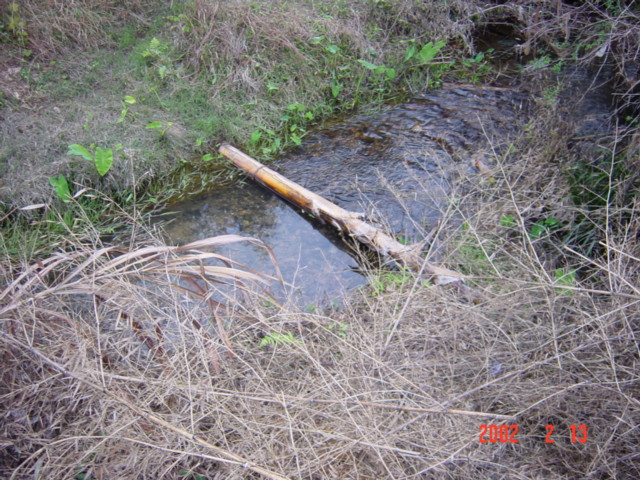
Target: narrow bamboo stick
{"points": [[344, 220]]}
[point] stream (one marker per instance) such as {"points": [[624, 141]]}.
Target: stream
{"points": [[397, 166]]}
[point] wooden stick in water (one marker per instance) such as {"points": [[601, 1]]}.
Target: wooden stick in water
{"points": [[344, 220]]}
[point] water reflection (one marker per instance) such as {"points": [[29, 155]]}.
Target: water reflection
{"points": [[310, 256]]}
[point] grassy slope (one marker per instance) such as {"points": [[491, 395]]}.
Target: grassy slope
{"points": [[257, 74], [217, 71]]}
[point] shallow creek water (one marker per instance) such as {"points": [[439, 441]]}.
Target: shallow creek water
{"points": [[397, 166]]}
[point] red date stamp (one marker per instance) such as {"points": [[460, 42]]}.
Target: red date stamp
{"points": [[508, 433]]}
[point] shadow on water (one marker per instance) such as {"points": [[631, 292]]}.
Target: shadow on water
{"points": [[396, 166]]}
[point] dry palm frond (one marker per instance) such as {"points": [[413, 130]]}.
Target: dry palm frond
{"points": [[100, 274]]}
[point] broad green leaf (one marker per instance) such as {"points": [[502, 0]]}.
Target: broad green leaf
{"points": [[507, 221], [380, 70], [367, 65], [335, 90], [567, 279], [61, 187], [391, 73], [129, 99], [333, 49], [296, 139], [207, 157], [155, 125], [542, 227], [79, 151], [104, 160], [429, 51], [537, 230], [411, 51], [255, 136]]}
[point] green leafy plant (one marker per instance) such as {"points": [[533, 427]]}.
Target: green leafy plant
{"points": [[189, 475], [337, 66], [475, 256], [478, 65], [155, 50], [387, 280], [128, 100], [404, 240], [292, 128], [424, 55], [12, 26], [271, 143], [161, 127], [596, 186], [540, 62], [508, 221], [566, 279], [61, 187], [550, 95], [543, 227], [186, 25], [340, 329], [295, 120], [388, 73], [275, 338], [86, 124], [155, 55], [101, 158]]}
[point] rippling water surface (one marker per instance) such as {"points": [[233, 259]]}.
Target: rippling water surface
{"points": [[396, 166]]}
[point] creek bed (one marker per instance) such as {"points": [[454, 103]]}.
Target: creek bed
{"points": [[397, 166]]}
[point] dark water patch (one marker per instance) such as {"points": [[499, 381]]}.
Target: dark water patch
{"points": [[397, 165]]}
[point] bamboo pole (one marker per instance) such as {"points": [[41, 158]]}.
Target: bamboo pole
{"points": [[344, 220]]}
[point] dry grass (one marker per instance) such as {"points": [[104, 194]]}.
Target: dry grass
{"points": [[110, 367], [53, 27], [138, 363], [603, 35]]}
